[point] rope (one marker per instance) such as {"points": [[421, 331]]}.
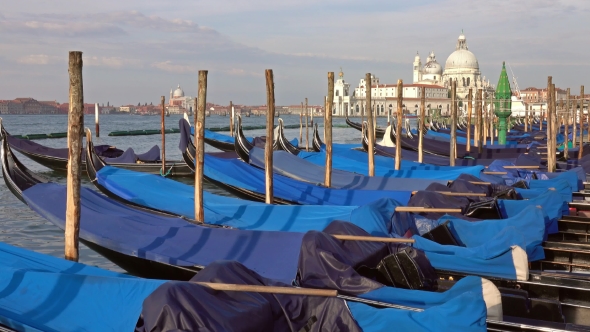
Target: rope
{"points": [[167, 173]]}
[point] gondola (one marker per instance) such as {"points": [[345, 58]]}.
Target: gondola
{"points": [[317, 141], [172, 253], [379, 132], [241, 145], [57, 159], [131, 237]]}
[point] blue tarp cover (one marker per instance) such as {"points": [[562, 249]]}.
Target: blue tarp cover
{"points": [[464, 300], [165, 239], [284, 164], [241, 175], [43, 293], [169, 195]]}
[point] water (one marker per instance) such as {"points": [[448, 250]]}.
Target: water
{"points": [[22, 227]]}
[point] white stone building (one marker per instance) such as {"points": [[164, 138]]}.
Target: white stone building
{"points": [[178, 103], [461, 66], [384, 98]]}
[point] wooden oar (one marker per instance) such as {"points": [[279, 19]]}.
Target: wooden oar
{"points": [[419, 209], [522, 167], [296, 291], [448, 193], [268, 289], [477, 182], [372, 238], [517, 167], [495, 173]]}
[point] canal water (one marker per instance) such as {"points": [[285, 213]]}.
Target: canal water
{"points": [[22, 227]]}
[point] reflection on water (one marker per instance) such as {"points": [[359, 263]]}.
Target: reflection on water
{"points": [[22, 227]]}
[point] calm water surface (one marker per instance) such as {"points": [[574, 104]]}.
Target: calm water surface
{"points": [[22, 227]]}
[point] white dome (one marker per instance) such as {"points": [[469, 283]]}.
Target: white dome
{"points": [[462, 58], [178, 92], [432, 66]]}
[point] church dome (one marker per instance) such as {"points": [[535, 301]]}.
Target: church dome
{"points": [[178, 92], [432, 66], [462, 57]]}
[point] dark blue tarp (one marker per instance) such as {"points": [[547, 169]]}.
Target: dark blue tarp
{"points": [[43, 293], [296, 168], [382, 168], [169, 195], [241, 175], [168, 240]]}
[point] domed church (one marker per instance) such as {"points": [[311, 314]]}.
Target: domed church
{"points": [[461, 66]]}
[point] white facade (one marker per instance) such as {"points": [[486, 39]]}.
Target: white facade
{"points": [[179, 103], [384, 98], [461, 66]]}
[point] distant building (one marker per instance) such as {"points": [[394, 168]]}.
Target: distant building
{"points": [[179, 103], [384, 97]]}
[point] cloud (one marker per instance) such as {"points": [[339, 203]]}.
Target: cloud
{"points": [[171, 67], [34, 59], [59, 29], [111, 62], [241, 72]]}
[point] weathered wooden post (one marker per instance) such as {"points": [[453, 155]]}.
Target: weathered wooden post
{"points": [[453, 141], [479, 121], [370, 129], [311, 112], [301, 125], [96, 122], [398, 125], [163, 130], [581, 151], [566, 119], [270, 123], [328, 130], [550, 126], [421, 124], [306, 127], [75, 124], [469, 110], [526, 121], [199, 121], [491, 120], [542, 117], [574, 118], [231, 118]]}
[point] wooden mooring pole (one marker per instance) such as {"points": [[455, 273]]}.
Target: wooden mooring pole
{"points": [[163, 130], [306, 127], [551, 124], [300, 143], [75, 124], [370, 130], [478, 126], [581, 151], [573, 116], [421, 124], [566, 119], [199, 121], [469, 110], [328, 130], [270, 124], [398, 125], [453, 142]]}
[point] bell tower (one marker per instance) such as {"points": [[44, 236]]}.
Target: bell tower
{"points": [[417, 68]]}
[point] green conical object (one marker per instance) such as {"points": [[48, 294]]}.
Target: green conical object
{"points": [[503, 103]]}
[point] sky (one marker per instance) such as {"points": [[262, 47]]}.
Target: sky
{"points": [[137, 50]]}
